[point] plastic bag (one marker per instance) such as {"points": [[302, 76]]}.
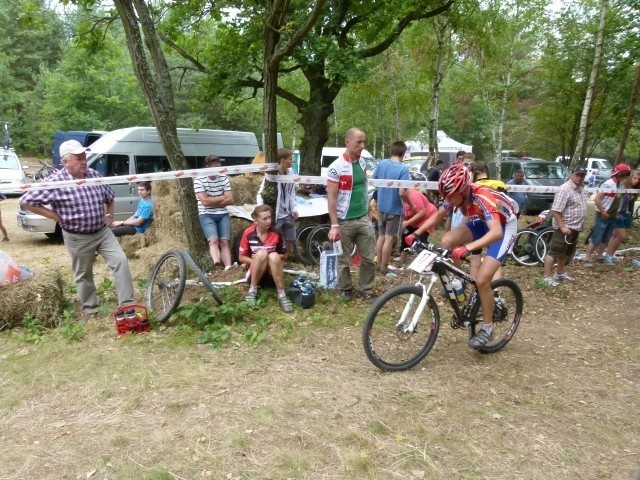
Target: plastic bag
{"points": [[11, 272], [329, 269]]}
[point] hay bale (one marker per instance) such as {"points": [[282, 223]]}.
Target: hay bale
{"points": [[41, 297], [245, 189]]}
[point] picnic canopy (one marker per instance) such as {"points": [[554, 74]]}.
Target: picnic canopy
{"points": [[447, 147]]}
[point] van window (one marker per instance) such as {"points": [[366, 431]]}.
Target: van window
{"points": [[152, 164], [111, 165], [602, 165]]}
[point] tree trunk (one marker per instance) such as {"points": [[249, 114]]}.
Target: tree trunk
{"points": [[157, 88], [583, 131], [630, 113], [441, 25]]}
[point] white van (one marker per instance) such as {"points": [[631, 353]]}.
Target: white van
{"points": [[329, 154], [598, 166], [138, 150]]}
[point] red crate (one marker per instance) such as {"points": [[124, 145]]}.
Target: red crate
{"points": [[138, 324]]}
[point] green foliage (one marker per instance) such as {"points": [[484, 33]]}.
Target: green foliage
{"points": [[32, 330], [71, 329]]}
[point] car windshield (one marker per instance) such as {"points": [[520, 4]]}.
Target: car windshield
{"points": [[545, 170], [602, 164], [9, 161]]}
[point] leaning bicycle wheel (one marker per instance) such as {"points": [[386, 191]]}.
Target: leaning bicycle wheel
{"points": [[166, 285], [542, 243], [385, 336], [202, 277], [318, 236], [300, 245], [523, 251], [507, 312]]}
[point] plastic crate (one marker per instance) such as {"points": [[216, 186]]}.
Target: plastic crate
{"points": [[137, 324]]}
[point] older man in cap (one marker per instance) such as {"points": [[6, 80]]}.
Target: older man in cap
{"points": [[84, 213], [569, 211]]}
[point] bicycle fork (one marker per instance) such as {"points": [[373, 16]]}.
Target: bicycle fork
{"points": [[424, 298]]}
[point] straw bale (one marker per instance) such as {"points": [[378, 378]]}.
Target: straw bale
{"points": [[41, 297], [245, 189]]}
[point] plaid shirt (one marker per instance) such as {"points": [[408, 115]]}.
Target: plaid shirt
{"points": [[571, 202], [81, 209]]}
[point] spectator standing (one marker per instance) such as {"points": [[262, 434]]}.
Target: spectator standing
{"points": [[569, 211], [281, 197], [460, 156], [519, 197], [140, 221], [415, 214], [347, 204], [607, 207], [625, 214], [434, 172], [263, 250], [390, 205], [5, 236], [84, 214], [213, 193]]}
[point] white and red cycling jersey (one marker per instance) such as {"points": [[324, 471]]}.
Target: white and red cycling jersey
{"points": [[487, 204]]}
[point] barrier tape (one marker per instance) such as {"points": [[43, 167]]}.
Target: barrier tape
{"points": [[434, 185], [265, 167]]}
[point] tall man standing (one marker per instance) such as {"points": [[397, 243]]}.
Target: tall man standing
{"points": [[518, 197], [569, 212], [85, 214], [347, 203], [390, 206]]}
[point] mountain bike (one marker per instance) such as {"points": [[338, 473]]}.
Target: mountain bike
{"points": [[167, 282], [402, 325]]}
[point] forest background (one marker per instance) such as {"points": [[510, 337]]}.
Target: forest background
{"points": [[495, 74]]}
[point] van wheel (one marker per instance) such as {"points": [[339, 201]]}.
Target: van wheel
{"points": [[57, 234]]}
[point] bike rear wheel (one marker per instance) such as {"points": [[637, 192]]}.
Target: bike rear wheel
{"points": [[523, 251], [166, 285], [386, 343], [300, 245], [542, 243], [508, 304], [318, 236]]}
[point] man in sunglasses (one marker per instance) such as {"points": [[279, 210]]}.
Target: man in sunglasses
{"points": [[569, 212]]}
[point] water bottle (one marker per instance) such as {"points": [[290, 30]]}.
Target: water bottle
{"points": [[458, 289]]}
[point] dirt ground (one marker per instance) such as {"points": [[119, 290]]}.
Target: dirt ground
{"points": [[559, 402]]}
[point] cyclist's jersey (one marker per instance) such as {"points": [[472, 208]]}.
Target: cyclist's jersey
{"points": [[487, 204]]}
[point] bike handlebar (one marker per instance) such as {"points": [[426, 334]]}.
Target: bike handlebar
{"points": [[419, 246]]}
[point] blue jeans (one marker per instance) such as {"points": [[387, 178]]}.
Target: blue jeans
{"points": [[216, 226], [602, 230]]}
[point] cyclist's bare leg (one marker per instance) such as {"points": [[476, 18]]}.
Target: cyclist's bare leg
{"points": [[474, 264], [460, 235], [276, 269], [487, 270]]}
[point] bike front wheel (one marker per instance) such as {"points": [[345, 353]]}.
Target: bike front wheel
{"points": [[542, 243], [507, 312], [389, 341], [166, 285]]}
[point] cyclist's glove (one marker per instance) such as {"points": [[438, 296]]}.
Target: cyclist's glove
{"points": [[409, 239], [460, 252]]}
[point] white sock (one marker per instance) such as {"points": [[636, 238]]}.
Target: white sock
{"points": [[281, 293]]}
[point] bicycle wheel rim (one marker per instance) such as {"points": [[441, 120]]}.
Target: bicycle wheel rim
{"points": [[166, 285], [507, 313], [300, 245], [317, 237], [542, 243], [385, 344], [523, 252]]}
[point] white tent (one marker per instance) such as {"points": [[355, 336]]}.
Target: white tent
{"points": [[447, 147]]}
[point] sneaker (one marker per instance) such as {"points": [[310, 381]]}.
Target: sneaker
{"points": [[345, 295], [5, 239], [391, 275], [285, 304], [550, 281], [608, 260], [480, 339], [562, 276], [251, 296]]}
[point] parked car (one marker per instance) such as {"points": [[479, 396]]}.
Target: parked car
{"points": [[537, 172], [598, 166], [11, 172]]}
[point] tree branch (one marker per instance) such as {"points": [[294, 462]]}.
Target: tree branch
{"points": [[183, 53], [297, 37]]}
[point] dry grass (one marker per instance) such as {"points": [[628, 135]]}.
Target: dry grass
{"points": [[560, 402]]}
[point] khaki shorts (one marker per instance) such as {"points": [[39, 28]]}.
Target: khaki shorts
{"points": [[389, 224], [562, 245]]}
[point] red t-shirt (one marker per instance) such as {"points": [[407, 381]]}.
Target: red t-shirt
{"points": [[251, 243], [422, 203]]}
